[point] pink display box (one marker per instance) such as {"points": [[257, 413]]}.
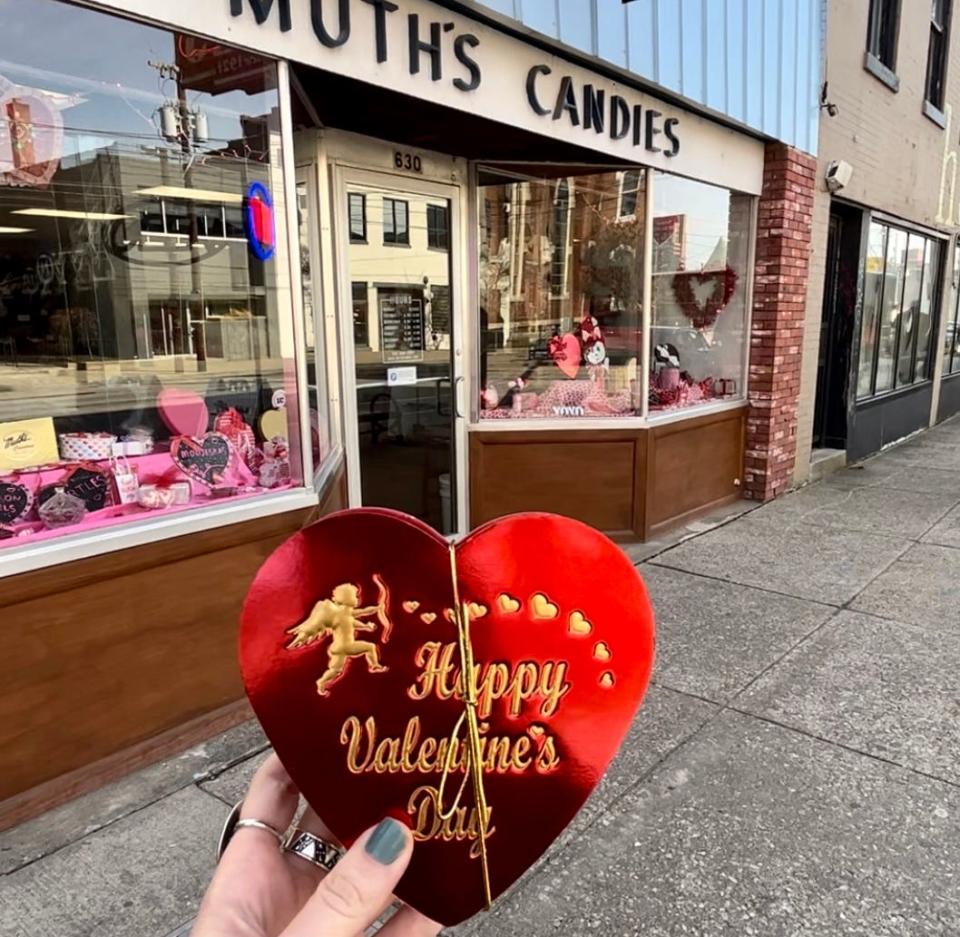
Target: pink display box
{"points": [[151, 469]]}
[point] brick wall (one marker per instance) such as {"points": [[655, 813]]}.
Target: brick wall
{"points": [[784, 219]]}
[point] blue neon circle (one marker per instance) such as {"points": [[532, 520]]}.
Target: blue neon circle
{"points": [[257, 190]]}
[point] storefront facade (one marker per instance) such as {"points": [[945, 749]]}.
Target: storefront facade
{"points": [[880, 354], [262, 261]]}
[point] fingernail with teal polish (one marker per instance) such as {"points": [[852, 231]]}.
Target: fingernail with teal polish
{"points": [[386, 841]]}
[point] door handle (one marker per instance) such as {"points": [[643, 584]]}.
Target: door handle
{"points": [[456, 397]]}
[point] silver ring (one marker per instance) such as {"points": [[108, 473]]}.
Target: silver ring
{"points": [[321, 853], [234, 823]]}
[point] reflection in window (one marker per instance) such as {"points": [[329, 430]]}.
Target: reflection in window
{"points": [[561, 299], [437, 230], [126, 281], [361, 315], [357, 206], [561, 228], [317, 390], [951, 335], [701, 238], [396, 229], [630, 184], [901, 280]]}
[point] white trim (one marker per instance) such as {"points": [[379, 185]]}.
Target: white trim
{"points": [[658, 418], [25, 557], [612, 423], [293, 264], [647, 314]]}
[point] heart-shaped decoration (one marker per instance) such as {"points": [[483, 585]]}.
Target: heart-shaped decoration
{"points": [[86, 481], [542, 607], [565, 351], [360, 698], [601, 651], [508, 603], [411, 606], [204, 458], [578, 624], [15, 501], [183, 411], [702, 295], [428, 618]]}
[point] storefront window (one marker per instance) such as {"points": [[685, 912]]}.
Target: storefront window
{"points": [[701, 249], [899, 308], [561, 297], [951, 337], [146, 341]]}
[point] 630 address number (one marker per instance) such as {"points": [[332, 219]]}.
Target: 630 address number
{"points": [[408, 161]]}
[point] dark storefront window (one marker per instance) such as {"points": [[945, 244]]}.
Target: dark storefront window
{"points": [[144, 293], [899, 309]]}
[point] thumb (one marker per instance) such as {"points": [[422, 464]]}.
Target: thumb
{"points": [[360, 886]]}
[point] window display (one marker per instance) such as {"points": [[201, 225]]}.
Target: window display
{"points": [[951, 336], [901, 286], [701, 249], [146, 341], [561, 296]]}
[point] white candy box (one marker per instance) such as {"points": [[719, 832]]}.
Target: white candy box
{"points": [[85, 447]]}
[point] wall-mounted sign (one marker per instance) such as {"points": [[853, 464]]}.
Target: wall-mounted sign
{"points": [[432, 53], [259, 220]]}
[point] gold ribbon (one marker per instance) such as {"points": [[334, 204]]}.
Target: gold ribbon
{"points": [[473, 766]]}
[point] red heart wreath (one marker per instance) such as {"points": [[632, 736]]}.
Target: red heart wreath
{"points": [[703, 316]]}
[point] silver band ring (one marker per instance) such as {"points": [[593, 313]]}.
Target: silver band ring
{"points": [[323, 854], [234, 823]]}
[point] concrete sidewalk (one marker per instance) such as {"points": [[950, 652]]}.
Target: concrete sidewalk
{"points": [[795, 769]]}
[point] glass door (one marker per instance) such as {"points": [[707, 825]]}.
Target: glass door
{"points": [[397, 262]]}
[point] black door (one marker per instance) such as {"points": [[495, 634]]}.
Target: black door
{"points": [[836, 332]]}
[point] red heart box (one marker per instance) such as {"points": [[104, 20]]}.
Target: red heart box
{"points": [[562, 636]]}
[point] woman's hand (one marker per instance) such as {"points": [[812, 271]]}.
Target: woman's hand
{"points": [[260, 891]]}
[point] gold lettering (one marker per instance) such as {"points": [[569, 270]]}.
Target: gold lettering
{"points": [[350, 736], [463, 823], [553, 686], [547, 758], [529, 680]]}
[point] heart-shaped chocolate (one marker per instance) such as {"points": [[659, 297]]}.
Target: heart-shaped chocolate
{"points": [[204, 458], [15, 501], [350, 657]]}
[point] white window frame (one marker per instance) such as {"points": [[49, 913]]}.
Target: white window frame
{"points": [[644, 419]]}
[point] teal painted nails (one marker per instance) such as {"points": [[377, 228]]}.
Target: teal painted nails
{"points": [[386, 841]]}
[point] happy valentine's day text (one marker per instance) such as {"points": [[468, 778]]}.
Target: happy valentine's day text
{"points": [[525, 681]]}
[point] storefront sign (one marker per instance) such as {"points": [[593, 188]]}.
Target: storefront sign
{"points": [[427, 51]]}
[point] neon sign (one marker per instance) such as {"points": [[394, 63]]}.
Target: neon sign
{"points": [[259, 221]]}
